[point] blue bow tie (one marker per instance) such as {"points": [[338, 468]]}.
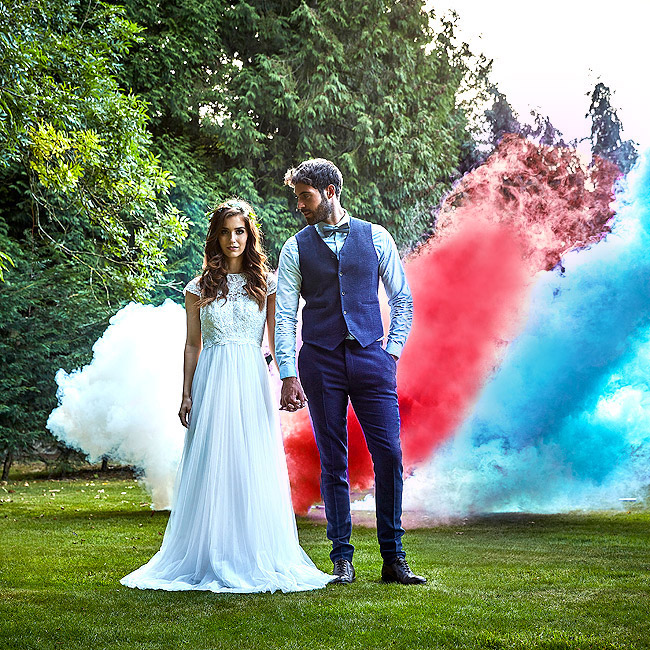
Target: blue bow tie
{"points": [[339, 227]]}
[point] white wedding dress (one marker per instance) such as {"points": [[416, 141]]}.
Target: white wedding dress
{"points": [[232, 527]]}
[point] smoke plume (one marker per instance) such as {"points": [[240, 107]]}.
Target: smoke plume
{"points": [[124, 404], [564, 422]]}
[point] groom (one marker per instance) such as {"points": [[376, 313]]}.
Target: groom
{"points": [[335, 264]]}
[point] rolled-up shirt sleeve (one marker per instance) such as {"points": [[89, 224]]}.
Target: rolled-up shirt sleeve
{"points": [[400, 300], [286, 308]]}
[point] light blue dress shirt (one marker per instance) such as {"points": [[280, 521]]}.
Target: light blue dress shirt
{"points": [[392, 276]]}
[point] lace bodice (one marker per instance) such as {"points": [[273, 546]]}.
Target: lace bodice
{"points": [[238, 319]]}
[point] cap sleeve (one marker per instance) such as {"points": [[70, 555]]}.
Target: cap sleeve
{"points": [[192, 287], [271, 284]]}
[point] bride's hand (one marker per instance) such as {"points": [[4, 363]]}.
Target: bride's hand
{"points": [[186, 407]]}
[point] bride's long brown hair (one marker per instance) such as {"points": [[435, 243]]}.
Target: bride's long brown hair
{"points": [[213, 282]]}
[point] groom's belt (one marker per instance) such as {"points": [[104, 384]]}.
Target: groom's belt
{"points": [[351, 342]]}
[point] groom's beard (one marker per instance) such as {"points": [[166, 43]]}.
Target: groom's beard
{"points": [[321, 213]]}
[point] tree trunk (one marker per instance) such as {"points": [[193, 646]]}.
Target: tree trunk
{"points": [[9, 458], [104, 464]]}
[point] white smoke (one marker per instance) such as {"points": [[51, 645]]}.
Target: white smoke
{"points": [[124, 404]]}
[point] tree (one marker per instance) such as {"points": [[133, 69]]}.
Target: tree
{"points": [[501, 118], [241, 91], [606, 130], [83, 212], [81, 143], [544, 131]]}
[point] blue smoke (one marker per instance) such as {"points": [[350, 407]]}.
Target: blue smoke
{"points": [[565, 422]]}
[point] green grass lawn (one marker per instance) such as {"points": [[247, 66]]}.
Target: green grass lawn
{"points": [[506, 581]]}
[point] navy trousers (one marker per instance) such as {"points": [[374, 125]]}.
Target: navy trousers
{"points": [[367, 377]]}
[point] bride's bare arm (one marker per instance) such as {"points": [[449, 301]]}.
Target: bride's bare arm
{"points": [[270, 324], [192, 351]]}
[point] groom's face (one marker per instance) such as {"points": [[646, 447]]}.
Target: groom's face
{"points": [[314, 205]]}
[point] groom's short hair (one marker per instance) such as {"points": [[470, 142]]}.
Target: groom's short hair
{"points": [[317, 172]]}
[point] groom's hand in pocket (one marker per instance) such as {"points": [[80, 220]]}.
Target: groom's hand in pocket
{"points": [[292, 397]]}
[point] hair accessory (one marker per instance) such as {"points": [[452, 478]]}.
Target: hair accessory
{"points": [[244, 208]]}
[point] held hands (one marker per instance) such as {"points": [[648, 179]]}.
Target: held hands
{"points": [[186, 407], [292, 397]]}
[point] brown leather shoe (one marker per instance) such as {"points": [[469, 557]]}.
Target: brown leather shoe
{"points": [[343, 572], [400, 571]]}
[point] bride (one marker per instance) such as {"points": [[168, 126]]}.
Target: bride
{"points": [[232, 528]]}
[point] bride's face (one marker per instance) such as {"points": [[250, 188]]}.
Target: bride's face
{"points": [[233, 236]]}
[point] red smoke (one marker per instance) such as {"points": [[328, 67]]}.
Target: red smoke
{"points": [[551, 199], [467, 290], [303, 462], [513, 216]]}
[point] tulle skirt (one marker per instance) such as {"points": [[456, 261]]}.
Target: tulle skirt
{"points": [[232, 527]]}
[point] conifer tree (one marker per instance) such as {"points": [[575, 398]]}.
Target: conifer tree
{"points": [[606, 130], [239, 92]]}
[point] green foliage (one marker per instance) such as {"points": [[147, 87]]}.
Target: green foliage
{"points": [[372, 87], [606, 130], [241, 91], [84, 216], [5, 262], [82, 143], [51, 315]]}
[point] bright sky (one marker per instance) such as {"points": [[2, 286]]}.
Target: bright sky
{"points": [[548, 55]]}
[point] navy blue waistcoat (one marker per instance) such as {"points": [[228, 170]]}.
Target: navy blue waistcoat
{"points": [[340, 294]]}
